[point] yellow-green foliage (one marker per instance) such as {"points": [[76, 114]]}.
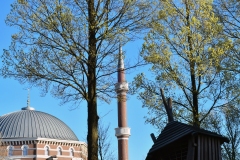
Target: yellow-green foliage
{"points": [[186, 47], [69, 47], [192, 31]]}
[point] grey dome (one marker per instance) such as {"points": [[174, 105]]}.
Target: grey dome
{"points": [[34, 124]]}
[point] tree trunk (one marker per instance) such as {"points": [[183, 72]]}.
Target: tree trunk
{"points": [[92, 111], [192, 63], [92, 136]]}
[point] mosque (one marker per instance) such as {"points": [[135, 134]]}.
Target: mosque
{"points": [[33, 135]]}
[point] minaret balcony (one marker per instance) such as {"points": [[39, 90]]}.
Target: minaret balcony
{"points": [[122, 131], [121, 86]]}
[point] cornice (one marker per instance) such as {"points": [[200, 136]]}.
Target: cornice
{"points": [[37, 140]]}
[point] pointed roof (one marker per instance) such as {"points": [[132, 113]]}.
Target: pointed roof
{"points": [[176, 130]]}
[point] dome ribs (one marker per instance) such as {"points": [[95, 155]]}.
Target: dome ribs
{"points": [[34, 124]]}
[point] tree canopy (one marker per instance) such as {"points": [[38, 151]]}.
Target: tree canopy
{"points": [[69, 47], [229, 15], [185, 49]]}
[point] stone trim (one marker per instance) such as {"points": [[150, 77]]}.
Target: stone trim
{"points": [[122, 138], [121, 87], [47, 141], [122, 131]]}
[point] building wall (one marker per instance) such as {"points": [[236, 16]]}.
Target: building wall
{"points": [[79, 151], [18, 149], [37, 150]]}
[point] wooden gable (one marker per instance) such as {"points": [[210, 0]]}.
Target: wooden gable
{"points": [[180, 141]]}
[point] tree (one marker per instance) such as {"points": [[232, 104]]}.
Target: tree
{"points": [[229, 14], [105, 151], [232, 131], [228, 11], [69, 47], [185, 48], [226, 122]]}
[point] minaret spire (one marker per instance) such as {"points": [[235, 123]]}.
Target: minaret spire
{"points": [[123, 131], [120, 59]]}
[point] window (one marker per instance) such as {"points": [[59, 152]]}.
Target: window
{"points": [[10, 150], [59, 149], [46, 149], [24, 150], [71, 152]]}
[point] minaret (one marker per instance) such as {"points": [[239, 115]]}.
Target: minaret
{"points": [[123, 131]]}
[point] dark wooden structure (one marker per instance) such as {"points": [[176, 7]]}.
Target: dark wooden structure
{"points": [[179, 141]]}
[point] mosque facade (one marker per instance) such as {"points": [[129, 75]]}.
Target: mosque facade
{"points": [[33, 135]]}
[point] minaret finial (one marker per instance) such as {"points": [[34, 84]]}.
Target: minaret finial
{"points": [[28, 98], [120, 58], [28, 102]]}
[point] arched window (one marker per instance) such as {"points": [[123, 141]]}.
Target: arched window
{"points": [[10, 150], [59, 149], [71, 152], [24, 150], [46, 149]]}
